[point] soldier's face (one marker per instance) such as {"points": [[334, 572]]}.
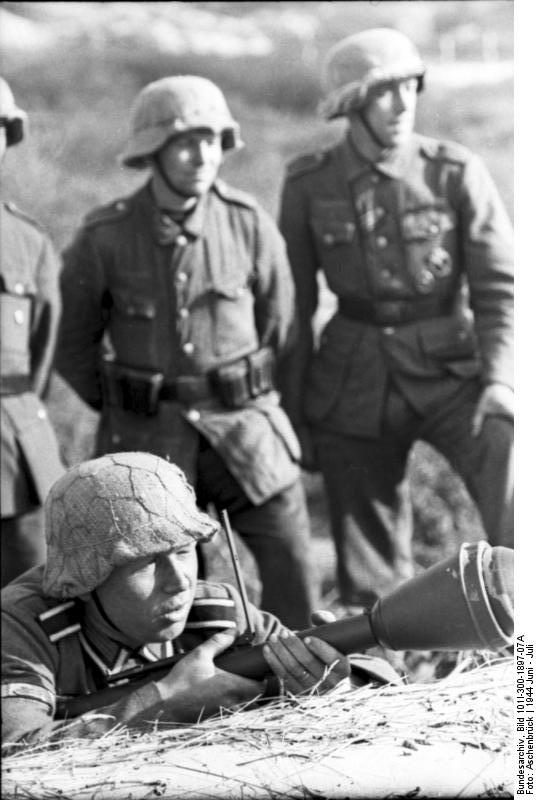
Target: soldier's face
{"points": [[390, 111], [150, 598], [191, 161]]}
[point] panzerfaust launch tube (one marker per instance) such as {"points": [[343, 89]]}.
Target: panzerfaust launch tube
{"points": [[462, 603]]}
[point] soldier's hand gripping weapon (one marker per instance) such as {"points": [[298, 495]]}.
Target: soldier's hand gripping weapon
{"points": [[464, 602]]}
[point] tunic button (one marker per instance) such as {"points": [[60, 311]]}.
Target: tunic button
{"points": [[385, 274], [382, 242], [425, 281], [328, 238], [182, 277], [41, 414], [193, 415], [19, 288], [116, 438], [181, 240], [18, 316], [188, 348], [120, 206], [388, 331], [184, 313]]}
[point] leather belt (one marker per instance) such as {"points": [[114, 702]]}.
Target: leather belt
{"points": [[393, 312], [187, 389], [15, 384]]}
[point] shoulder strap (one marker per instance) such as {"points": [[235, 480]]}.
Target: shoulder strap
{"points": [[306, 163]]}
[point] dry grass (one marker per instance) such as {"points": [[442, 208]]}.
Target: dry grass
{"points": [[470, 710]]}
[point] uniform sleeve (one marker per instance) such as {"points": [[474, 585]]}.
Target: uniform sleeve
{"points": [[263, 623], [29, 664], [294, 225], [488, 255], [46, 317], [274, 288], [84, 318]]}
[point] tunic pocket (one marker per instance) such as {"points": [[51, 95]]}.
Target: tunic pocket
{"points": [[429, 240], [451, 343], [232, 317], [133, 329]]}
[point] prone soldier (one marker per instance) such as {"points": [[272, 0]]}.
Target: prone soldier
{"points": [[29, 317], [415, 243], [177, 301], [119, 590]]}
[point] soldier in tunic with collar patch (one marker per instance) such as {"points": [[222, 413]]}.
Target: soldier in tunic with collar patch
{"points": [[177, 302], [119, 591], [415, 243], [29, 317]]}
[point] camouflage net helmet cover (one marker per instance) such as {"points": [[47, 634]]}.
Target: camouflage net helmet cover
{"points": [[173, 105], [111, 510], [363, 60], [16, 117]]}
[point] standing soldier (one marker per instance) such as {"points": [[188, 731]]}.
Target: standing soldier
{"points": [[415, 243], [29, 315], [176, 300]]}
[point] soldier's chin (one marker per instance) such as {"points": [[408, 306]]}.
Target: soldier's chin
{"points": [[398, 137]]}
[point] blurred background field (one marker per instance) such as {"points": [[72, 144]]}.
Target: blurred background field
{"points": [[76, 67]]}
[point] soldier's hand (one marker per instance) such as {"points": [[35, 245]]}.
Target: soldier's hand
{"points": [[304, 665], [308, 457], [497, 399], [196, 688]]}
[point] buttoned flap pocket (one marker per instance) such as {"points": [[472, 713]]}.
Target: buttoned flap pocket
{"points": [[453, 342], [16, 282], [332, 222], [427, 222], [15, 319], [134, 306]]}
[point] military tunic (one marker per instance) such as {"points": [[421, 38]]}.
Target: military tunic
{"points": [[52, 650], [178, 302], [417, 249], [30, 310]]}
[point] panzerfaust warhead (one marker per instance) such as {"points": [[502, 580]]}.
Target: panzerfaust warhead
{"points": [[462, 603]]}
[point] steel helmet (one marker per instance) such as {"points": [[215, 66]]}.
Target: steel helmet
{"points": [[172, 105], [114, 509], [14, 116], [364, 60]]}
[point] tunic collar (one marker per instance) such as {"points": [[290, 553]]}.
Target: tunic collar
{"points": [[192, 225], [109, 648], [392, 165]]}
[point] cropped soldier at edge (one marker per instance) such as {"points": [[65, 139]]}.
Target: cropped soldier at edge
{"points": [[29, 316]]}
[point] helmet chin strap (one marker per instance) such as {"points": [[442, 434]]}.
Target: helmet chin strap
{"points": [[371, 132], [161, 172]]}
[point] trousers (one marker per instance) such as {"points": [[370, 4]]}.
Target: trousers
{"points": [[277, 533], [23, 544], [367, 487]]}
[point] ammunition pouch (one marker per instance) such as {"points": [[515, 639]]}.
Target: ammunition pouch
{"points": [[234, 384], [136, 390], [244, 379]]}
